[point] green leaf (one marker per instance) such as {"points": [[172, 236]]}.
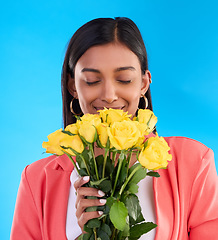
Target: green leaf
{"points": [[138, 230], [99, 159], [80, 162], [84, 140], [96, 134], [93, 223], [145, 144], [134, 209], [133, 188], [102, 235], [110, 201], [153, 174], [98, 182], [93, 208], [106, 229], [85, 236], [126, 231], [83, 172], [139, 174], [108, 143], [105, 186], [118, 214], [99, 143], [68, 133], [102, 184], [73, 151], [86, 229], [80, 237]]}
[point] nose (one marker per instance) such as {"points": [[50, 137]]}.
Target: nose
{"points": [[109, 92]]}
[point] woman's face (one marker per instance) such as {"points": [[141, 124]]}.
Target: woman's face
{"points": [[108, 76]]}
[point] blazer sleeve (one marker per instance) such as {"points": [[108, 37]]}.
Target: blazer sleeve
{"points": [[203, 219], [26, 221]]}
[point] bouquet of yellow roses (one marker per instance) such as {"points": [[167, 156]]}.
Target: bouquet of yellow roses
{"points": [[121, 138]]}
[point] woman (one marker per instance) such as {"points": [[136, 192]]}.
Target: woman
{"points": [[106, 66]]}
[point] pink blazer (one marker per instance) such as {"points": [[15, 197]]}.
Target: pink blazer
{"points": [[186, 196]]}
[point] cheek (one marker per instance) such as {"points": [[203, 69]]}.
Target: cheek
{"points": [[133, 93], [86, 95]]}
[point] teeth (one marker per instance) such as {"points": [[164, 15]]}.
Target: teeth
{"points": [[101, 108]]}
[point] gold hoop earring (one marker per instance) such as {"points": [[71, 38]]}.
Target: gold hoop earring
{"points": [[71, 107], [145, 99]]}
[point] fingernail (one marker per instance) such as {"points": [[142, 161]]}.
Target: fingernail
{"points": [[100, 212], [101, 193], [86, 178], [103, 201]]}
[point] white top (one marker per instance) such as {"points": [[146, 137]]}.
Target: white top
{"points": [[146, 199]]}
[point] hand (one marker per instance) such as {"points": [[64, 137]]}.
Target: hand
{"points": [[82, 203]]}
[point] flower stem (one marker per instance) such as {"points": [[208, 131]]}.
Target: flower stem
{"points": [[105, 160], [113, 234], [114, 154], [128, 160], [93, 155], [120, 161], [87, 168], [71, 159], [126, 182], [95, 233]]}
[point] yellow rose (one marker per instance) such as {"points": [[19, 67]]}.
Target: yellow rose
{"points": [[123, 135], [141, 127], [87, 131], [53, 144], [102, 133], [87, 126], [72, 128], [93, 119], [155, 155], [147, 117], [73, 142], [113, 115], [58, 139]]}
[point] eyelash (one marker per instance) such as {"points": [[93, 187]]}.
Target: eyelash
{"points": [[124, 82], [121, 81], [92, 83]]}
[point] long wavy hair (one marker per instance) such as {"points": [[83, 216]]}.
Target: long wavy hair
{"points": [[100, 31]]}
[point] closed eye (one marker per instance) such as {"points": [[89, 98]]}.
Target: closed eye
{"points": [[92, 83], [124, 81]]}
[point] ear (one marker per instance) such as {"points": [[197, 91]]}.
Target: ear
{"points": [[71, 86], [146, 80]]}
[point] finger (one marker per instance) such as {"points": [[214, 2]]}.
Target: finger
{"points": [[82, 192], [89, 191], [86, 216], [81, 181], [85, 203]]}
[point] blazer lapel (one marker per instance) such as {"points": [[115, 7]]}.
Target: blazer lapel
{"points": [[57, 191]]}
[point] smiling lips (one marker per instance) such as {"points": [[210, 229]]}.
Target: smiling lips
{"points": [[101, 108]]}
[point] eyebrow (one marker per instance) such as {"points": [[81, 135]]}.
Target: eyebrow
{"points": [[125, 68], [116, 70], [90, 70]]}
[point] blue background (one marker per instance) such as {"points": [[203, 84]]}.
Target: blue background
{"points": [[181, 39]]}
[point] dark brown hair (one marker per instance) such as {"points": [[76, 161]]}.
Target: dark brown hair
{"points": [[100, 31]]}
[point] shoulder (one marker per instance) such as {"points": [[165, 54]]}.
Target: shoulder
{"points": [[40, 165], [188, 152], [38, 169], [186, 145]]}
